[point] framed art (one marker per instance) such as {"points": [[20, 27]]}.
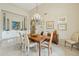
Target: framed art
{"points": [[50, 24], [62, 19], [62, 27], [15, 25]]}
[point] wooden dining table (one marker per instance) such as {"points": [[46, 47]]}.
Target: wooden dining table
{"points": [[39, 39]]}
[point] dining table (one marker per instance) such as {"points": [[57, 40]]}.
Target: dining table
{"points": [[39, 39]]}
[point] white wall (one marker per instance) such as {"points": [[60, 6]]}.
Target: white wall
{"points": [[71, 11]]}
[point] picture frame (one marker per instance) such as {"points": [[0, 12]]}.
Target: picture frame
{"points": [[62, 19], [50, 24], [62, 27]]}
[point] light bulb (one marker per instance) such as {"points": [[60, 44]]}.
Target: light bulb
{"points": [[37, 17]]}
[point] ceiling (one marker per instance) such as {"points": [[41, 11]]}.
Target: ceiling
{"points": [[26, 6]]}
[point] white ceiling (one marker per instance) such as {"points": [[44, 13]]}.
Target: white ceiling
{"points": [[26, 6]]}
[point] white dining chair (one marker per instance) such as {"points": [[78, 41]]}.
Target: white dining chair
{"points": [[19, 39], [48, 44], [26, 43]]}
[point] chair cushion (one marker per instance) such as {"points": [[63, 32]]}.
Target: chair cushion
{"points": [[74, 38], [71, 41]]}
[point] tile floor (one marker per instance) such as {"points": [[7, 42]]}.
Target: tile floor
{"points": [[8, 48]]}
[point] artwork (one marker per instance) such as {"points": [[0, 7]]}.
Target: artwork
{"points": [[15, 25], [62, 19], [62, 27], [50, 24]]}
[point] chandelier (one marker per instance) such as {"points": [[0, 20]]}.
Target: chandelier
{"points": [[36, 15]]}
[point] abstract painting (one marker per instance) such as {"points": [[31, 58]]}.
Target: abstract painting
{"points": [[15, 25]]}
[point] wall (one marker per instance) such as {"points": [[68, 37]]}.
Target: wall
{"points": [[52, 11]]}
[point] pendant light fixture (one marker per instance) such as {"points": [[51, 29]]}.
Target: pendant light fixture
{"points": [[36, 15]]}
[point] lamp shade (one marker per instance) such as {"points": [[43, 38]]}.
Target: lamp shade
{"points": [[37, 16]]}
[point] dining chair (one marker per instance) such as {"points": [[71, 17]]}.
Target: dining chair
{"points": [[73, 40], [48, 44], [18, 40], [21, 40], [26, 43]]}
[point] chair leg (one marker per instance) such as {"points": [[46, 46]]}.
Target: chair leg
{"points": [[36, 47], [71, 46], [28, 50], [22, 47], [49, 51], [25, 47], [65, 44]]}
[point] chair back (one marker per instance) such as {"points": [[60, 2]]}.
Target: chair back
{"points": [[51, 38], [26, 39], [75, 37], [21, 37], [42, 33]]}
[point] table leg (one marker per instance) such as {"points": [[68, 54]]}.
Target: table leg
{"points": [[39, 48]]}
